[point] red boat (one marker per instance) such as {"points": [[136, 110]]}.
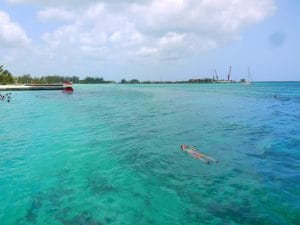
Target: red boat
{"points": [[68, 89]]}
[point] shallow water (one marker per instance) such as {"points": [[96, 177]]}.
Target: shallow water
{"points": [[110, 154]]}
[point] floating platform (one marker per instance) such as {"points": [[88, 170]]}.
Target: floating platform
{"points": [[32, 87]]}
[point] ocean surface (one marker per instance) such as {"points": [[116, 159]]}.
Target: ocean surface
{"points": [[110, 154]]}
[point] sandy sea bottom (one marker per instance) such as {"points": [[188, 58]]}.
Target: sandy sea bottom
{"points": [[110, 154]]}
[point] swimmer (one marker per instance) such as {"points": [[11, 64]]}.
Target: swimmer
{"points": [[193, 152]]}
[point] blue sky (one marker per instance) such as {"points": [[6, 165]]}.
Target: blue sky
{"points": [[151, 39]]}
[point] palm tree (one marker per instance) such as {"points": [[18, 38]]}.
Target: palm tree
{"points": [[6, 77]]}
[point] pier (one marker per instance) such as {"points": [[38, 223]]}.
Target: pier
{"points": [[32, 87]]}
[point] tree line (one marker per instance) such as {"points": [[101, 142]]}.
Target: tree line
{"points": [[7, 78], [135, 81], [51, 79], [54, 79]]}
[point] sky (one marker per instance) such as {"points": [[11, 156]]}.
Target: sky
{"points": [[151, 39]]}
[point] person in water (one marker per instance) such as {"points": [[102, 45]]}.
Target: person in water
{"points": [[194, 153], [5, 97]]}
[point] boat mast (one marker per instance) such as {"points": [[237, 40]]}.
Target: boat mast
{"points": [[229, 73], [249, 76], [216, 75]]}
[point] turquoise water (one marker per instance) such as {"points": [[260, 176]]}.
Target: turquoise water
{"points": [[110, 154]]}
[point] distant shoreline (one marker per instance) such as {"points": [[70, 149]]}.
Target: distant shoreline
{"points": [[25, 87]]}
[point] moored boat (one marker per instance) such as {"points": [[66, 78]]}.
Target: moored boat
{"points": [[68, 89], [249, 78]]}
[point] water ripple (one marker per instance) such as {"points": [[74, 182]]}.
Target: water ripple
{"points": [[110, 154]]}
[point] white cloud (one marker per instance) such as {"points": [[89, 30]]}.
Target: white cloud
{"points": [[65, 36], [147, 52], [158, 28], [74, 3], [204, 17], [11, 34], [55, 14], [121, 30], [171, 39]]}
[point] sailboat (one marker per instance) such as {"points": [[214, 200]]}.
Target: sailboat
{"points": [[217, 76], [249, 78]]}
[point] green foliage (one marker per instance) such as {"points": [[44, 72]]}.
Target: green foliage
{"points": [[24, 79], [52, 79], [134, 81], [205, 80], [92, 80], [95, 80], [123, 81], [6, 77], [74, 79]]}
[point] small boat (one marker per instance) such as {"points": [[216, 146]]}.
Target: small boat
{"points": [[249, 78], [193, 151], [68, 89]]}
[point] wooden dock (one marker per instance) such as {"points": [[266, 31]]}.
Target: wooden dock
{"points": [[32, 87]]}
